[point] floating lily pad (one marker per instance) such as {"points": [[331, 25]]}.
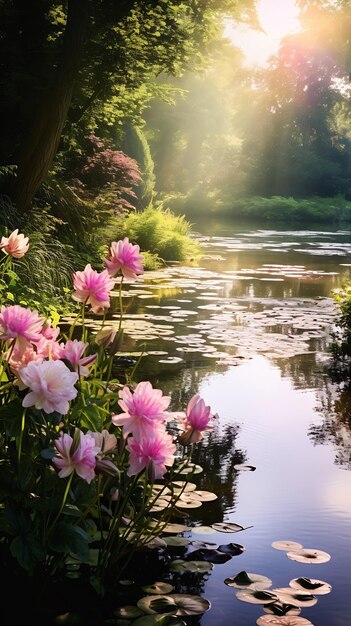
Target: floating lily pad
{"points": [[281, 609], [190, 566], [227, 527], [188, 468], [244, 468], [295, 597], [184, 485], [175, 528], [257, 596], [187, 502], [246, 580], [205, 496], [287, 545], [176, 603], [163, 619], [317, 587], [232, 548], [287, 620], [158, 588], [205, 544], [308, 555], [176, 542], [128, 612], [213, 556], [203, 530]]}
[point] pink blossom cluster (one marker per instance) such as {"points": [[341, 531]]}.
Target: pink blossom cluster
{"points": [[38, 360], [143, 425], [85, 453]]}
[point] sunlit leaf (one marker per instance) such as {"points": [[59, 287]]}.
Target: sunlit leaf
{"points": [[308, 555], [317, 587], [246, 580]]}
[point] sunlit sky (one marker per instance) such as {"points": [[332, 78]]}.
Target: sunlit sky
{"points": [[278, 18]]}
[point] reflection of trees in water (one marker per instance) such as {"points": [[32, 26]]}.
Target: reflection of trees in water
{"points": [[303, 370], [334, 404], [217, 455]]}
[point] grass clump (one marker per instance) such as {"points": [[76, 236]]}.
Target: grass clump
{"points": [[162, 236]]}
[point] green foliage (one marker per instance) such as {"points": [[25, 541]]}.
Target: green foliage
{"points": [[341, 345], [160, 231]]}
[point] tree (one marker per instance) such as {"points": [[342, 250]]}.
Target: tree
{"points": [[63, 62]]}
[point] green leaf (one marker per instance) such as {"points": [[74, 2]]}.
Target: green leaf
{"points": [[69, 539], [27, 550], [91, 418]]}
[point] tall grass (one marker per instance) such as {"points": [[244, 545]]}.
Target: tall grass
{"points": [[157, 229]]}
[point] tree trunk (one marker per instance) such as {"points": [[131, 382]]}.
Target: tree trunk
{"points": [[43, 136]]}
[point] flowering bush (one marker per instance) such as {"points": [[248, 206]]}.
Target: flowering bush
{"points": [[80, 452]]}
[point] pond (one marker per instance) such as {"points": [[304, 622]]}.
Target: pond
{"points": [[249, 329]]}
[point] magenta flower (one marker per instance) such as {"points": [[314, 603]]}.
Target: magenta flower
{"points": [[51, 385], [124, 257], [21, 324], [152, 453], [73, 352], [15, 245], [195, 421], [76, 454], [93, 288], [144, 410]]}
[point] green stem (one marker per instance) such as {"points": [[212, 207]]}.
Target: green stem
{"points": [[63, 502], [23, 422], [120, 304]]}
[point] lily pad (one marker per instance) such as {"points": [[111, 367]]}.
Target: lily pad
{"points": [[244, 468], [281, 609], [182, 566], [213, 556], [184, 484], [176, 542], [309, 555], [175, 528], [176, 603], [287, 620], [295, 597], [234, 549], [257, 596], [158, 588], [246, 580], [317, 587], [205, 496], [187, 502], [227, 527], [203, 530], [188, 468], [287, 545]]}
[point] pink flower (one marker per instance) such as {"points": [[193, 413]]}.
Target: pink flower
{"points": [[76, 454], [153, 453], [73, 352], [21, 324], [124, 257], [20, 359], [51, 385], [15, 245], [50, 332], [48, 349], [144, 410], [105, 442], [93, 288], [195, 421]]}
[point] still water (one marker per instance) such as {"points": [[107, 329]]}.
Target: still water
{"points": [[249, 328]]}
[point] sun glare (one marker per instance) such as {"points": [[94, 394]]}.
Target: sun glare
{"points": [[278, 18]]}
